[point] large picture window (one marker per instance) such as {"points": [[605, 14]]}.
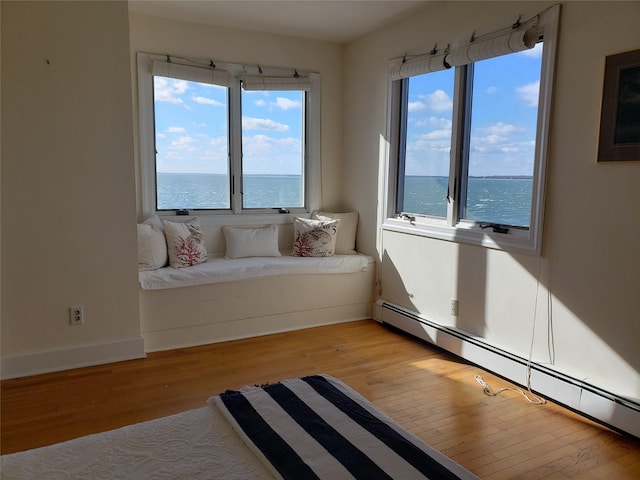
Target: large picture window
{"points": [[468, 130], [224, 140]]}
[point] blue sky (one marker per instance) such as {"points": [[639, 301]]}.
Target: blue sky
{"points": [[503, 124], [191, 129], [191, 123]]}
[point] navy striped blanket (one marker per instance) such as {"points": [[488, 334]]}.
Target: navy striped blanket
{"points": [[316, 427]]}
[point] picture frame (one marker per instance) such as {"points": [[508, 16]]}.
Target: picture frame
{"points": [[620, 115]]}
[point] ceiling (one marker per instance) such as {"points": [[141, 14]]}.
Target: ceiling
{"points": [[329, 20]]}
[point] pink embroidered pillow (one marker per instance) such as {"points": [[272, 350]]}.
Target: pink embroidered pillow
{"points": [[314, 238], [184, 243]]}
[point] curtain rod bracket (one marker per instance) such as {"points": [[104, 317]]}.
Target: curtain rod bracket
{"points": [[517, 22], [168, 59], [211, 64], [434, 50]]}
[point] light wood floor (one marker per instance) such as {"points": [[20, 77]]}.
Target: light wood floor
{"points": [[426, 390]]}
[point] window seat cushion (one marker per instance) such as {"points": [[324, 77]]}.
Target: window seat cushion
{"points": [[220, 269]]}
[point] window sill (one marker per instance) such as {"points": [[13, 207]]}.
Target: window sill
{"points": [[516, 241], [210, 217]]}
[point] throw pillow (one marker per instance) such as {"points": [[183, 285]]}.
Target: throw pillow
{"points": [[314, 238], [346, 240], [184, 242], [251, 242], [152, 246]]}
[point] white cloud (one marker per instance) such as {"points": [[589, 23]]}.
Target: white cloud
{"points": [[438, 101], [492, 90], [265, 141], [250, 123], [183, 143], [436, 135], [176, 130], [219, 141], [207, 101], [501, 128], [168, 90], [435, 122], [265, 154], [416, 106], [529, 93], [260, 103], [286, 104], [498, 144]]}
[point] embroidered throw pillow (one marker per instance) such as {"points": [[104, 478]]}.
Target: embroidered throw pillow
{"points": [[346, 239], [314, 238], [184, 243], [251, 242]]}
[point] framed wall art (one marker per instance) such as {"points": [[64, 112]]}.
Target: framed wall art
{"points": [[620, 115]]}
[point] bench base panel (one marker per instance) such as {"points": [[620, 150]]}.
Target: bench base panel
{"points": [[183, 317]]}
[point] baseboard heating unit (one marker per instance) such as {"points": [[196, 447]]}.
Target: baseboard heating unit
{"points": [[616, 412]]}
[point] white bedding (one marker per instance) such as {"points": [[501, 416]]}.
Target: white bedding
{"points": [[309, 427], [217, 270], [197, 444]]}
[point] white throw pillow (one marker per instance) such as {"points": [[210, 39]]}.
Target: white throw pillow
{"points": [[152, 246], [251, 242], [184, 242], [346, 241], [314, 238]]}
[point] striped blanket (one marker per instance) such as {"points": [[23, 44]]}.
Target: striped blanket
{"points": [[318, 428]]}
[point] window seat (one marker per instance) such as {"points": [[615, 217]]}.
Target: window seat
{"points": [[228, 299], [219, 269]]}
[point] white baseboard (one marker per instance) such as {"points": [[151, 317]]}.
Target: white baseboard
{"points": [[190, 336], [74, 357], [589, 400]]}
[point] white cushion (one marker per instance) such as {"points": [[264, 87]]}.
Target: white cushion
{"points": [[184, 243], [346, 240], [314, 238], [251, 242], [152, 246]]}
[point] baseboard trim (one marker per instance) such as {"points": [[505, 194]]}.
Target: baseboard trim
{"points": [[605, 407], [75, 357], [191, 336]]}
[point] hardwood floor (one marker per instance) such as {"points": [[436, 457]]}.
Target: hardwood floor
{"points": [[428, 391]]}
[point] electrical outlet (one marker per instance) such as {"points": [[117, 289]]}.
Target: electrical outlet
{"points": [[453, 307], [76, 315]]}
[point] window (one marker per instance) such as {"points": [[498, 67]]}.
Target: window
{"points": [[191, 145], [227, 140], [273, 149], [468, 134]]}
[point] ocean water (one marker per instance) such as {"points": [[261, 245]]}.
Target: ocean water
{"points": [[210, 191], [498, 200], [504, 200]]}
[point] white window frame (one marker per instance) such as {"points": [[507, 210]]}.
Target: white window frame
{"points": [[312, 167], [451, 228]]}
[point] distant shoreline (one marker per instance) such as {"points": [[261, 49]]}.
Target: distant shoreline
{"points": [[485, 177], [482, 177]]}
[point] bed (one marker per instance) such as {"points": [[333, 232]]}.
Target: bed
{"points": [[313, 427]]}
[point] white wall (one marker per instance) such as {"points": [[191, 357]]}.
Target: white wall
{"points": [[162, 36], [68, 191], [589, 271]]}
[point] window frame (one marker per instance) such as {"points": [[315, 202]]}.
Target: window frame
{"points": [[452, 228], [235, 215]]}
